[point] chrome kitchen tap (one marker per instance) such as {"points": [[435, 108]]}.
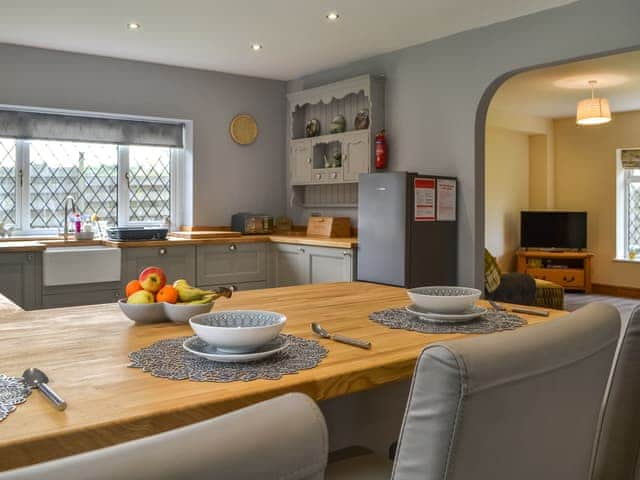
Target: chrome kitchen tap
{"points": [[66, 214]]}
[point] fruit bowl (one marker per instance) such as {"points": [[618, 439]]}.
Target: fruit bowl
{"points": [[444, 299], [143, 312], [238, 331], [182, 312]]}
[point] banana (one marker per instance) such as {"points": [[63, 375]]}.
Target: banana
{"points": [[204, 300], [189, 294]]}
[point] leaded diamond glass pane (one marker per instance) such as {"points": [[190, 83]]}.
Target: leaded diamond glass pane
{"points": [[633, 239], [86, 171], [149, 183], [7, 181]]}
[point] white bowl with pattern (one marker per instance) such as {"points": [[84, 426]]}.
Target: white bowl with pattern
{"points": [[444, 299], [238, 331]]}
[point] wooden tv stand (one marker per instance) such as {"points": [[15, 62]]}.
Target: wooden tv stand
{"points": [[571, 269]]}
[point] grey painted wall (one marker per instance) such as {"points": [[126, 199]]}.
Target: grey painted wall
{"points": [[434, 91], [227, 177]]}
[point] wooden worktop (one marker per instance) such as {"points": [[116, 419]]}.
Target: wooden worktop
{"points": [[295, 237], [21, 246], [7, 307], [84, 351]]}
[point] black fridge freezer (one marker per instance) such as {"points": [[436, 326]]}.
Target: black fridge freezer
{"points": [[407, 229]]}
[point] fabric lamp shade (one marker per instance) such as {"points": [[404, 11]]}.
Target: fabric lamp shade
{"points": [[593, 111]]}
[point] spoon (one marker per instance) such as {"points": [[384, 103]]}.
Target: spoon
{"points": [[35, 378], [317, 329]]}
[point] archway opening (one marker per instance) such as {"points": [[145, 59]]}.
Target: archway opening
{"points": [[532, 156]]}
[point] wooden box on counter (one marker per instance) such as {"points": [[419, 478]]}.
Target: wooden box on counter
{"points": [[329, 226]]}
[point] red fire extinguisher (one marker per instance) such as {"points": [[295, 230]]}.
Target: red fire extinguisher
{"points": [[381, 150]]}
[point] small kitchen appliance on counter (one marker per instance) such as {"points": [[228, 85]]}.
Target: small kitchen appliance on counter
{"points": [[249, 223], [125, 234]]}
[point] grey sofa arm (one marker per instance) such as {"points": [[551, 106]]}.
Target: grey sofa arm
{"points": [[284, 438], [515, 287]]}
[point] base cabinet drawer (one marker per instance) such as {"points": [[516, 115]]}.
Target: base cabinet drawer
{"points": [[567, 277], [231, 263], [87, 294]]}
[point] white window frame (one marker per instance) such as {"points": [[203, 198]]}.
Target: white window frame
{"points": [[183, 167], [23, 211], [623, 180]]}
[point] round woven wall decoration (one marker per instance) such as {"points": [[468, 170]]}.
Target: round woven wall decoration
{"points": [[243, 129]]}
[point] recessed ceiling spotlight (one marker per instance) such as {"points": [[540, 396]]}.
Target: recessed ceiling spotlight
{"points": [[256, 47], [133, 26], [333, 16]]}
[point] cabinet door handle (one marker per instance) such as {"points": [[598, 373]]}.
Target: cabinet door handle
{"points": [[309, 160], [232, 247], [30, 258], [334, 175], [346, 254], [318, 176], [570, 279], [301, 250], [162, 251]]}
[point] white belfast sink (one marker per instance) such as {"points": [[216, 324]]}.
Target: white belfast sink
{"points": [[80, 265]]}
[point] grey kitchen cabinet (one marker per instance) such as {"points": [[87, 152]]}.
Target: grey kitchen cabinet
{"points": [[176, 262], [355, 155], [85, 294], [21, 278], [330, 265], [231, 263], [290, 265], [301, 264], [301, 162], [239, 286]]}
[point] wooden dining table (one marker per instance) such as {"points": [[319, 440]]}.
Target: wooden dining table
{"points": [[84, 351]]}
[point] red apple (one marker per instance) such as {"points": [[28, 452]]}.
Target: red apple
{"points": [[141, 297], [152, 279]]}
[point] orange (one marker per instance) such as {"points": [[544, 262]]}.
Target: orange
{"points": [[132, 287], [167, 294]]}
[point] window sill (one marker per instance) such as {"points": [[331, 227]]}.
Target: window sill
{"points": [[627, 260]]}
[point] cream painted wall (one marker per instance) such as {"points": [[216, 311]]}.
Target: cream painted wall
{"points": [[518, 176], [586, 180], [506, 192], [541, 153]]}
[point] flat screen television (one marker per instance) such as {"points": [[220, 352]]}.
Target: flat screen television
{"points": [[561, 230]]}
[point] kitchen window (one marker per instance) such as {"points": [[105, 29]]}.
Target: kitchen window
{"points": [[124, 184], [628, 204]]}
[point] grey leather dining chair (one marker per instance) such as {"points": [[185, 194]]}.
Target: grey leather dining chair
{"points": [[282, 438], [617, 447], [513, 405]]}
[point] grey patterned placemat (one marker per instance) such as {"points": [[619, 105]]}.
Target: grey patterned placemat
{"points": [[167, 359], [488, 323], [13, 391]]}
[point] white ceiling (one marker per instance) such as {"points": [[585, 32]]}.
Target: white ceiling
{"points": [[553, 92], [216, 34]]}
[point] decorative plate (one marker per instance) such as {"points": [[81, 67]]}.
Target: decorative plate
{"points": [[361, 121], [338, 124], [202, 349], [312, 129], [474, 312], [243, 129]]}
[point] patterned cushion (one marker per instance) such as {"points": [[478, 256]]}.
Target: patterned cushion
{"points": [[492, 273], [549, 294]]}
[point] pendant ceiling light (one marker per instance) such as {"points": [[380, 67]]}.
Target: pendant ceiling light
{"points": [[593, 111]]}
